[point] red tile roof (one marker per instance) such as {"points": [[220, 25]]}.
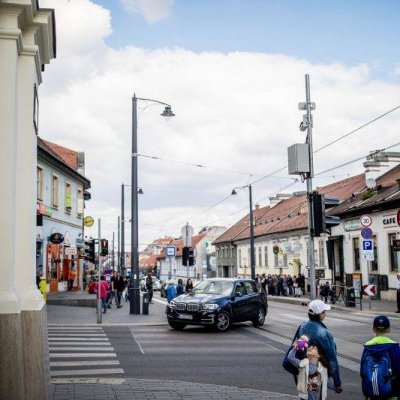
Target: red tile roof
{"points": [[163, 241], [148, 261], [68, 156]]}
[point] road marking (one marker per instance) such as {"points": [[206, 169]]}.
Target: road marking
{"points": [[137, 343], [81, 355], [78, 339], [88, 345], [80, 372], [81, 348], [77, 334], [82, 363]]}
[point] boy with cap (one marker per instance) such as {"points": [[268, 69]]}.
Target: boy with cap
{"points": [[381, 355]]}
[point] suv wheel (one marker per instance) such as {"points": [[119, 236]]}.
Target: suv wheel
{"points": [[260, 318], [223, 321], [176, 325]]}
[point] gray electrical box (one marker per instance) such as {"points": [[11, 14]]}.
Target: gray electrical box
{"points": [[298, 159]]}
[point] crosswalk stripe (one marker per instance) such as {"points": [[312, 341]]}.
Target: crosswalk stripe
{"points": [[80, 372], [78, 339], [82, 355], [82, 363], [88, 345], [81, 348], [77, 334]]}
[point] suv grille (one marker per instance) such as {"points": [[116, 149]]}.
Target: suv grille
{"points": [[193, 307], [181, 306]]}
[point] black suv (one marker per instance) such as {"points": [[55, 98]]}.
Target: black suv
{"points": [[218, 302]]}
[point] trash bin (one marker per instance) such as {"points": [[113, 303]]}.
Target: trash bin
{"points": [[145, 304], [350, 297]]}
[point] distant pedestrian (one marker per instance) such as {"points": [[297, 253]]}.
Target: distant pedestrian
{"points": [[324, 291], [119, 286], [71, 278], [149, 286], [102, 288], [171, 290], [319, 334], [189, 285], [398, 293], [179, 287], [380, 364]]}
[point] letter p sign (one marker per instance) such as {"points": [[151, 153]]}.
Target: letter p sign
{"points": [[367, 245]]}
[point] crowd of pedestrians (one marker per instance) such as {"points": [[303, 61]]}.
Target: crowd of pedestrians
{"points": [[282, 285]]}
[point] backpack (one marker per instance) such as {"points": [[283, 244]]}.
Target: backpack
{"points": [[376, 373], [286, 364]]}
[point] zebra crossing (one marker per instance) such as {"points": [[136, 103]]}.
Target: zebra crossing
{"points": [[81, 352]]}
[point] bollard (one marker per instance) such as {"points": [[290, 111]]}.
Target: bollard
{"points": [[145, 304], [43, 287], [350, 298]]}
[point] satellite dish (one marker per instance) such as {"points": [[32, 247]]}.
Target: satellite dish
{"points": [[371, 183]]}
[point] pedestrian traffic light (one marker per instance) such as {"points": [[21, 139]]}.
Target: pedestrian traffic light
{"points": [[90, 250], [104, 247]]}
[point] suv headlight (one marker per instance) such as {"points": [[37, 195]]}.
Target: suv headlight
{"points": [[172, 304], [210, 306]]}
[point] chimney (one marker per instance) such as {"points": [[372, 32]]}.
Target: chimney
{"points": [[273, 201], [257, 206], [378, 163], [81, 162]]}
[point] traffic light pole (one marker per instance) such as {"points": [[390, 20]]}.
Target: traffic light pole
{"points": [[99, 315], [310, 175]]}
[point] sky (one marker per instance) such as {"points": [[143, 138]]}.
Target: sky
{"points": [[233, 72]]}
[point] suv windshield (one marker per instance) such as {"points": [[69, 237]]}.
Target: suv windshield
{"points": [[214, 287]]}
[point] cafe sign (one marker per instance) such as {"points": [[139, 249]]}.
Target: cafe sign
{"points": [[352, 225]]}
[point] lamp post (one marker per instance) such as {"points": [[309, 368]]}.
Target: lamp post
{"points": [[134, 293], [251, 226], [122, 252]]}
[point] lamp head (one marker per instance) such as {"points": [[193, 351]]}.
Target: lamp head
{"points": [[234, 192], [167, 112], [140, 191]]}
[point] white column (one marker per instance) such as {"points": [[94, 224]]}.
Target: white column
{"points": [[9, 301], [31, 298]]}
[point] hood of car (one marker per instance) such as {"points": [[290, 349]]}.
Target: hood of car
{"points": [[199, 298]]}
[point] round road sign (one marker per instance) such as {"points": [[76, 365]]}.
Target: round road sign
{"points": [[366, 220], [398, 217], [88, 221], [366, 233]]}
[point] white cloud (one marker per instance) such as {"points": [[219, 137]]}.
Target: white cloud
{"points": [[234, 111], [151, 10]]}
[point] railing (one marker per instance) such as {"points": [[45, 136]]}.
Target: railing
{"points": [[347, 295]]}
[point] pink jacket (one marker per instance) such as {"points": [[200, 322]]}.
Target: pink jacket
{"points": [[103, 289]]}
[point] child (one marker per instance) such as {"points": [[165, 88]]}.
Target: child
{"points": [[380, 364], [312, 381]]}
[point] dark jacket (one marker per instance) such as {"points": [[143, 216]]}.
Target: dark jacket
{"points": [[179, 289], [318, 333]]}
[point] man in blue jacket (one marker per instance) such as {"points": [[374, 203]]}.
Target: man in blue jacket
{"points": [[318, 333], [374, 363]]}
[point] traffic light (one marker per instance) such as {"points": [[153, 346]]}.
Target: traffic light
{"points": [[191, 256], [104, 247], [185, 256], [319, 214], [90, 250]]}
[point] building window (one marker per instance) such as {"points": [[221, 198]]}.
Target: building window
{"points": [[54, 191], [68, 197], [240, 258], [285, 260], [266, 256], [394, 258], [276, 263], [39, 183], [259, 256], [356, 254], [321, 252], [79, 206]]}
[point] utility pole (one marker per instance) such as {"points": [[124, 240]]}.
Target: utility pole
{"points": [[119, 246], [99, 316], [252, 258], [122, 261], [112, 254], [311, 256]]}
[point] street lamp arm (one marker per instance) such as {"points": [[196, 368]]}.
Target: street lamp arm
{"points": [[154, 101]]}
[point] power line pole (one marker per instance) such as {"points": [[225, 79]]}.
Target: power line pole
{"points": [[122, 261], [252, 255], [119, 246]]}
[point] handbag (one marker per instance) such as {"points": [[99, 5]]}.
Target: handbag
{"points": [[286, 364]]}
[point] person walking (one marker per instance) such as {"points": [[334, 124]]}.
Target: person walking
{"points": [[319, 334], [119, 286], [149, 286], [179, 287], [102, 292], [398, 293], [171, 290], [71, 278], [380, 364], [324, 291]]}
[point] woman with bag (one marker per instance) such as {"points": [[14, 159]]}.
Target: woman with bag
{"points": [[319, 334]]}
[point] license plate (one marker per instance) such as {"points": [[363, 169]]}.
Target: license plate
{"points": [[185, 316]]}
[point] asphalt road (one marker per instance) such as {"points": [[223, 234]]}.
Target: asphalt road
{"points": [[244, 357]]}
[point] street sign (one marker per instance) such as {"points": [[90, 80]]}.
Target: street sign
{"points": [[367, 245], [367, 250], [366, 220], [170, 251], [398, 217], [187, 233], [369, 290], [366, 233], [56, 238], [70, 251], [88, 221]]}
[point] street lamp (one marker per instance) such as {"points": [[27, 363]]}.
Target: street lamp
{"points": [[134, 293], [251, 225]]}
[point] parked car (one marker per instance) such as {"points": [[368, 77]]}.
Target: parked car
{"points": [[219, 302], [156, 284]]}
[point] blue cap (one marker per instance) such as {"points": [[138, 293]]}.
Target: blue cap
{"points": [[381, 322]]}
